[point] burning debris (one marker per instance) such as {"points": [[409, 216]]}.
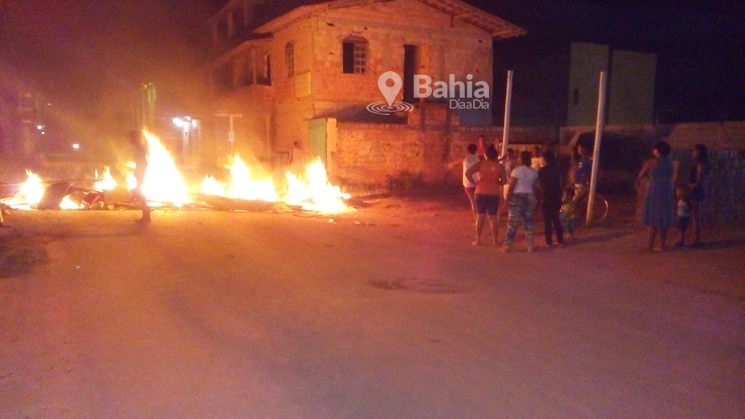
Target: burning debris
{"points": [[165, 187]]}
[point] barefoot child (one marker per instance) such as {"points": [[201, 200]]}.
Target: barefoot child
{"points": [[683, 210], [567, 213]]}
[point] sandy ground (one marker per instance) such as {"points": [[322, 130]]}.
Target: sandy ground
{"points": [[385, 312]]}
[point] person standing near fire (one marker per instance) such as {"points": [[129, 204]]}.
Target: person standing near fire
{"points": [[297, 158], [139, 155]]}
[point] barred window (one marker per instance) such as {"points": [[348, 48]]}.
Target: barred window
{"points": [[290, 58], [354, 56]]}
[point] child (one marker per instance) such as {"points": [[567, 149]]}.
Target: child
{"points": [[566, 214], [683, 210]]}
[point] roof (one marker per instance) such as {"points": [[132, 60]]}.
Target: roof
{"points": [[457, 9]]}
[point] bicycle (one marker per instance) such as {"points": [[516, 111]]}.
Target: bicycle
{"points": [[599, 211]]}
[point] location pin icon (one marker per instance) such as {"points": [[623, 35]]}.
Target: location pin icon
{"points": [[390, 92]]}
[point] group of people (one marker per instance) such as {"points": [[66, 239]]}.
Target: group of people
{"points": [[515, 183], [536, 179], [665, 202]]}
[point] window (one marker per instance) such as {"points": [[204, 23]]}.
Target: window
{"points": [[265, 77], [248, 72], [354, 56], [290, 58]]}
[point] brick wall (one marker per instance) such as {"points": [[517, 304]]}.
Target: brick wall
{"points": [[387, 27], [319, 88], [372, 153]]}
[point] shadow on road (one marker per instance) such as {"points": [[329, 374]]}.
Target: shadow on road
{"points": [[18, 255], [602, 237], [717, 245]]}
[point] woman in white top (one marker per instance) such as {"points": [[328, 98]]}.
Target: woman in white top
{"points": [[521, 201], [469, 160]]}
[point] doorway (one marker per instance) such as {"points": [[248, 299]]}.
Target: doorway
{"points": [[411, 64]]}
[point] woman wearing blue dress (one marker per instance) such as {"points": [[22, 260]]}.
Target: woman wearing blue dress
{"points": [[659, 201]]}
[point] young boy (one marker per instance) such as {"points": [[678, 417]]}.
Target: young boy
{"points": [[567, 213], [683, 210]]}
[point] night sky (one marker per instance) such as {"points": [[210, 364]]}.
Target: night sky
{"points": [[86, 57]]}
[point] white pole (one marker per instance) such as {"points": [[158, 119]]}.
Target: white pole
{"points": [[596, 148], [507, 110]]}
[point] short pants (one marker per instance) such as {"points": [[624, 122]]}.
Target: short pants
{"points": [[487, 204]]}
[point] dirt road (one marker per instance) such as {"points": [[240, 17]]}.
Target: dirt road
{"points": [[387, 312]]}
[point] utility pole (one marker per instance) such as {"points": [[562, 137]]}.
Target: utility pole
{"points": [[507, 113], [596, 148], [231, 132]]}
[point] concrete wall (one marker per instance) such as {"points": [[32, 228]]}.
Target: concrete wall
{"points": [[632, 86], [586, 61]]}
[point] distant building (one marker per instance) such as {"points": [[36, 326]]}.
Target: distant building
{"points": [[20, 124], [557, 84], [631, 80], [278, 66]]}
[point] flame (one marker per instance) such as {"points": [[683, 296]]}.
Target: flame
{"points": [[165, 184], [29, 194], [131, 181], [313, 192], [163, 181], [69, 204], [241, 185], [212, 186], [107, 183]]}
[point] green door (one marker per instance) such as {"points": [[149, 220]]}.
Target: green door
{"points": [[317, 139]]}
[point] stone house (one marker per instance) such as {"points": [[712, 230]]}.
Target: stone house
{"points": [[281, 71]]}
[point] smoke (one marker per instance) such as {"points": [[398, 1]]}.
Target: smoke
{"points": [[88, 59]]}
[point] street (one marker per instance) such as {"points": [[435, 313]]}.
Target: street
{"points": [[387, 312]]}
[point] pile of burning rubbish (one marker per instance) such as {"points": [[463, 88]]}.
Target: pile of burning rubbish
{"points": [[165, 187]]}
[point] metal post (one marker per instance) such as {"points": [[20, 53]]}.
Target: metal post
{"points": [[231, 133], [596, 148], [507, 110]]}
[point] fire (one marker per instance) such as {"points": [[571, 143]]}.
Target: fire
{"points": [[164, 184], [69, 204], [163, 180], [131, 181], [310, 191], [313, 192], [107, 183], [29, 194], [241, 184]]}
